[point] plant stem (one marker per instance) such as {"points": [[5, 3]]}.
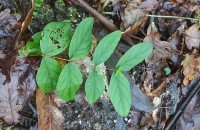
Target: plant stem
{"points": [[109, 13], [58, 58], [174, 17]]}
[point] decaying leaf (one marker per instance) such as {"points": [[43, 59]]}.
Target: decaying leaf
{"points": [[158, 91], [14, 94], [140, 100], [131, 14], [162, 49], [49, 116], [149, 5], [9, 25], [191, 67], [172, 95], [157, 61], [134, 28], [192, 38]]}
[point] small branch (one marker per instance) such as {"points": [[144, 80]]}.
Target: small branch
{"points": [[174, 17]]}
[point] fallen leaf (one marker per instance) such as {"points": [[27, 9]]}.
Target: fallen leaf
{"points": [[139, 100], [134, 28], [158, 60], [191, 67], [192, 38], [49, 116], [131, 15], [9, 25], [158, 91], [15, 94], [149, 5], [162, 49]]}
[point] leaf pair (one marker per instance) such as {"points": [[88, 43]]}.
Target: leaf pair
{"points": [[119, 88], [94, 85], [70, 78], [56, 37]]}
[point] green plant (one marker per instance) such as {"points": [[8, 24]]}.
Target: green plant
{"points": [[57, 36]]}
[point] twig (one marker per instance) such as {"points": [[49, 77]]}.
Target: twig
{"points": [[32, 108], [108, 24], [174, 17], [25, 22], [195, 86]]}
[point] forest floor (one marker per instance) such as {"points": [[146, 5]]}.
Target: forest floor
{"points": [[164, 87]]}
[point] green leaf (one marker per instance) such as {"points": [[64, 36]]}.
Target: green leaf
{"points": [[47, 75], [106, 47], [167, 71], [134, 56], [56, 37], [69, 81], [82, 40], [94, 86], [120, 94], [32, 48]]}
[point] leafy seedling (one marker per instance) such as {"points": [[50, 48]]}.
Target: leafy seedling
{"points": [[56, 37], [94, 85], [119, 89]]}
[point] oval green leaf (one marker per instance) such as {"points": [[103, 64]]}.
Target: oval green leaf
{"points": [[134, 56], [120, 94], [82, 40], [47, 75], [94, 86], [106, 47], [69, 81], [56, 37]]}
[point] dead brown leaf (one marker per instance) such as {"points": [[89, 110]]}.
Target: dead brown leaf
{"points": [[15, 94], [192, 38], [9, 26], [157, 61], [162, 49], [134, 28], [149, 5], [158, 91], [131, 15], [49, 116], [8, 23], [17, 82], [191, 67]]}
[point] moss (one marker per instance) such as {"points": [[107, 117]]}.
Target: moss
{"points": [[41, 17], [45, 14]]}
